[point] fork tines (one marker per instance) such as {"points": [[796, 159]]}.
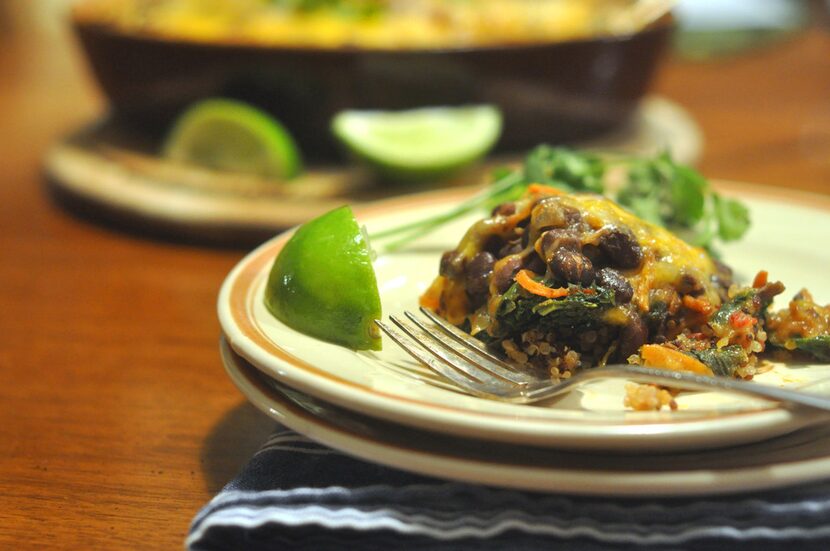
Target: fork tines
{"points": [[454, 354]]}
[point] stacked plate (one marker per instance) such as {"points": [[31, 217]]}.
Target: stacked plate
{"points": [[385, 407]]}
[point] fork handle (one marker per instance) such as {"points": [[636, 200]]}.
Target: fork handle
{"points": [[689, 381]]}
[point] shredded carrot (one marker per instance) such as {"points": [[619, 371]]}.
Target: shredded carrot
{"points": [[656, 355], [538, 189], [524, 278], [760, 279], [700, 305]]}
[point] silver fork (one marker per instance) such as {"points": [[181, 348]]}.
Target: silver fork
{"points": [[466, 362]]}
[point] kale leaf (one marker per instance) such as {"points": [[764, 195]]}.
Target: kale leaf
{"points": [[520, 310], [742, 301], [818, 347], [724, 361]]}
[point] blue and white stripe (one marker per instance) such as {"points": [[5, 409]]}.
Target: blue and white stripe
{"points": [[292, 483]]}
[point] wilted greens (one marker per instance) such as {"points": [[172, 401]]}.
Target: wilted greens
{"points": [[818, 347], [723, 361], [520, 310]]}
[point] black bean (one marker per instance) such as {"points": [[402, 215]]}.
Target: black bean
{"points": [[572, 267], [552, 240], [770, 290], [594, 254], [572, 216], [493, 244], [611, 279], [505, 209], [511, 247], [524, 236], [548, 214], [478, 273], [689, 285], [452, 264], [633, 335], [722, 269], [535, 264], [721, 287], [622, 248], [722, 278], [505, 270]]}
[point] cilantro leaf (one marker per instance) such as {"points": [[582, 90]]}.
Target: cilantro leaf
{"points": [[664, 192], [688, 194], [680, 199], [732, 217], [565, 169]]}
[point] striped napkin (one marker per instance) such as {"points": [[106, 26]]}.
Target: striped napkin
{"points": [[297, 494]]}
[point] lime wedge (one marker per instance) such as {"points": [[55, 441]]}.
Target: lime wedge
{"points": [[419, 144], [232, 136], [322, 282]]}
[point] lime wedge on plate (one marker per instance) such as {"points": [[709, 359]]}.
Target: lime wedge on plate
{"points": [[322, 282], [232, 136], [419, 144]]}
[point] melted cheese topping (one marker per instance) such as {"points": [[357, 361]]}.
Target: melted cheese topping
{"points": [[666, 257], [671, 254]]}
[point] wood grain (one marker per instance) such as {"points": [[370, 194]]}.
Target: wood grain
{"points": [[118, 421]]}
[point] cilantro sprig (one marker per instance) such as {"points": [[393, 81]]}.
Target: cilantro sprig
{"points": [[679, 198], [657, 189]]}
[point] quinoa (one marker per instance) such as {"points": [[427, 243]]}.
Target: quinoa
{"points": [[647, 397]]}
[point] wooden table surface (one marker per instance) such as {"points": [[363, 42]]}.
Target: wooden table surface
{"points": [[118, 422]]}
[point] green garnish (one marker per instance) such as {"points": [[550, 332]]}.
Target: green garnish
{"points": [[656, 189], [504, 187], [566, 169], [680, 199]]}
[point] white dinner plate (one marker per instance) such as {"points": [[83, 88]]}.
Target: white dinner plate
{"points": [[788, 238], [796, 458]]}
